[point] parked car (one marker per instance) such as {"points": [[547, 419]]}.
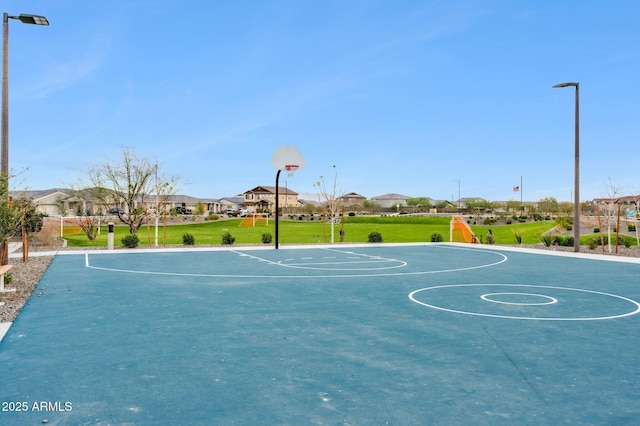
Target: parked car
{"points": [[182, 210], [116, 210], [236, 212]]}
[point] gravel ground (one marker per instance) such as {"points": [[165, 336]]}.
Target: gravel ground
{"points": [[27, 275]]}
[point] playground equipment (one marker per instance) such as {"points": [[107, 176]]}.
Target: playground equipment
{"points": [[253, 219], [460, 232]]}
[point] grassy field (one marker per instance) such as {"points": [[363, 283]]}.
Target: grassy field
{"points": [[394, 229]]}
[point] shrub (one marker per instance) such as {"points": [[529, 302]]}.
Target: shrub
{"points": [[547, 240], [212, 217], [593, 243], [490, 238], [631, 227], [130, 241], [188, 239], [436, 238], [490, 221], [596, 230], [352, 213], [375, 237], [518, 237], [563, 241], [8, 277], [267, 238], [228, 239]]}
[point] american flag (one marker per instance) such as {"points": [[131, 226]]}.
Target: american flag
{"points": [[516, 188]]}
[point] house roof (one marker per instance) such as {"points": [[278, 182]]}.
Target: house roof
{"points": [[629, 199], [353, 195], [391, 196], [270, 190], [179, 199], [37, 194]]}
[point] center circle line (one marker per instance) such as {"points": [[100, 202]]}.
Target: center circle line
{"points": [[487, 298]]}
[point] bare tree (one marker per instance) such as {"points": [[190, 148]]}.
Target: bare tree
{"points": [[88, 210], [330, 198], [610, 208], [636, 214], [126, 183], [164, 187]]}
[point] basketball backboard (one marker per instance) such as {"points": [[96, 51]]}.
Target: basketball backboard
{"points": [[287, 158]]}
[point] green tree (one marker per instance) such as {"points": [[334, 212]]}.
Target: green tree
{"points": [[419, 202], [549, 205], [371, 206], [513, 205], [9, 218]]}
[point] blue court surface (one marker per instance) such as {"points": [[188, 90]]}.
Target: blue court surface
{"points": [[341, 335]]}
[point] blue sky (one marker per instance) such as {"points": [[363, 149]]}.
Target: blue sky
{"points": [[401, 96]]}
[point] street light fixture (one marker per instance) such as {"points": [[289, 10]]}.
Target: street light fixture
{"points": [[576, 179], [25, 19]]}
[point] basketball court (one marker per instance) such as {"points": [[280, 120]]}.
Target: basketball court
{"points": [[340, 334]]}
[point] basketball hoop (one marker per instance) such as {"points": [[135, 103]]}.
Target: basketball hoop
{"points": [[290, 159], [291, 169]]}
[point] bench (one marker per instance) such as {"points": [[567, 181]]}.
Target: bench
{"points": [[3, 270]]}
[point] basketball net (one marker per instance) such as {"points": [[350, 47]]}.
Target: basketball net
{"points": [[291, 169]]}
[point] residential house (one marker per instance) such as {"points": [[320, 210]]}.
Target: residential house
{"points": [[391, 201], [170, 202], [352, 200], [60, 201], [263, 199], [233, 203], [49, 201]]}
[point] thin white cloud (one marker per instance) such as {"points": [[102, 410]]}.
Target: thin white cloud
{"points": [[57, 76]]}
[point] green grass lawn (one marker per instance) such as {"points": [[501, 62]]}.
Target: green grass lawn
{"points": [[394, 229]]}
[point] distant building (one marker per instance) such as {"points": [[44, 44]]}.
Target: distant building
{"points": [[61, 201], [233, 203], [187, 202], [352, 199], [263, 199], [388, 201], [48, 201]]}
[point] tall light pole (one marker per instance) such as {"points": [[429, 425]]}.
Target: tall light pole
{"points": [[576, 178], [4, 158], [25, 19]]}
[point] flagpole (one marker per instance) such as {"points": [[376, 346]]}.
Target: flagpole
{"points": [[521, 205]]}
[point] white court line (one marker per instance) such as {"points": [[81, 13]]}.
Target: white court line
{"points": [[440, 308], [4, 328], [503, 258], [310, 265]]}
